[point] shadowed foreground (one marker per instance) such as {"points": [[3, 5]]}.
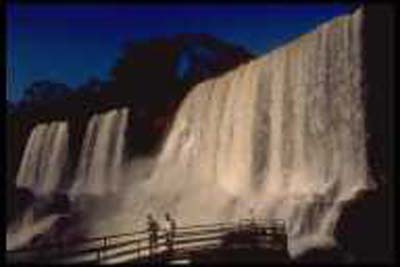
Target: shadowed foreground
{"points": [[246, 241]]}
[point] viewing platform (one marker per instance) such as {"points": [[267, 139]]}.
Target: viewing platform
{"points": [[245, 241]]}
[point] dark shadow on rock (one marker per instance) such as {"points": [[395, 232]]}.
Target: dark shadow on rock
{"points": [[24, 198], [66, 230], [244, 246], [323, 256], [59, 204], [365, 229]]}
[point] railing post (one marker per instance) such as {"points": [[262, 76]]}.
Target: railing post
{"points": [[98, 255], [151, 248], [105, 246], [138, 248]]}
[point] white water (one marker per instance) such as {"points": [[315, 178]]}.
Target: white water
{"points": [[40, 171], [283, 135], [45, 155], [22, 233], [44, 158], [101, 157]]}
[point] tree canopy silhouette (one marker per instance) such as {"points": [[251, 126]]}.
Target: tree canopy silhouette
{"points": [[45, 90], [149, 73]]}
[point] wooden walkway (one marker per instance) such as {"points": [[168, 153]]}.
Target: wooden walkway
{"points": [[218, 242]]}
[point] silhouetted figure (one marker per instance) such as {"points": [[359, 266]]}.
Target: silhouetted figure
{"points": [[253, 225], [153, 229], [170, 233]]}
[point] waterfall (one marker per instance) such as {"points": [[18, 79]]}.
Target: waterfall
{"points": [[102, 154], [40, 171], [44, 157], [283, 135]]}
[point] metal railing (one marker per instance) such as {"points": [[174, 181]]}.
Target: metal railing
{"points": [[135, 246]]}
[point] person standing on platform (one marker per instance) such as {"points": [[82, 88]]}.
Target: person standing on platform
{"points": [[170, 232], [153, 229]]}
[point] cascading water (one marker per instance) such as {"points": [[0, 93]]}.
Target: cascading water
{"points": [[283, 135], [44, 158], [22, 232], [40, 172], [101, 157]]}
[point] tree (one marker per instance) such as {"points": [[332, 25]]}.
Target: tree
{"points": [[93, 85], [145, 73], [45, 91], [155, 72]]}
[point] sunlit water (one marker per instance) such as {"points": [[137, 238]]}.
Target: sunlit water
{"points": [[44, 157], [283, 135], [101, 157]]}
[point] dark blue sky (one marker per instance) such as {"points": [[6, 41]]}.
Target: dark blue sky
{"points": [[73, 43]]}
